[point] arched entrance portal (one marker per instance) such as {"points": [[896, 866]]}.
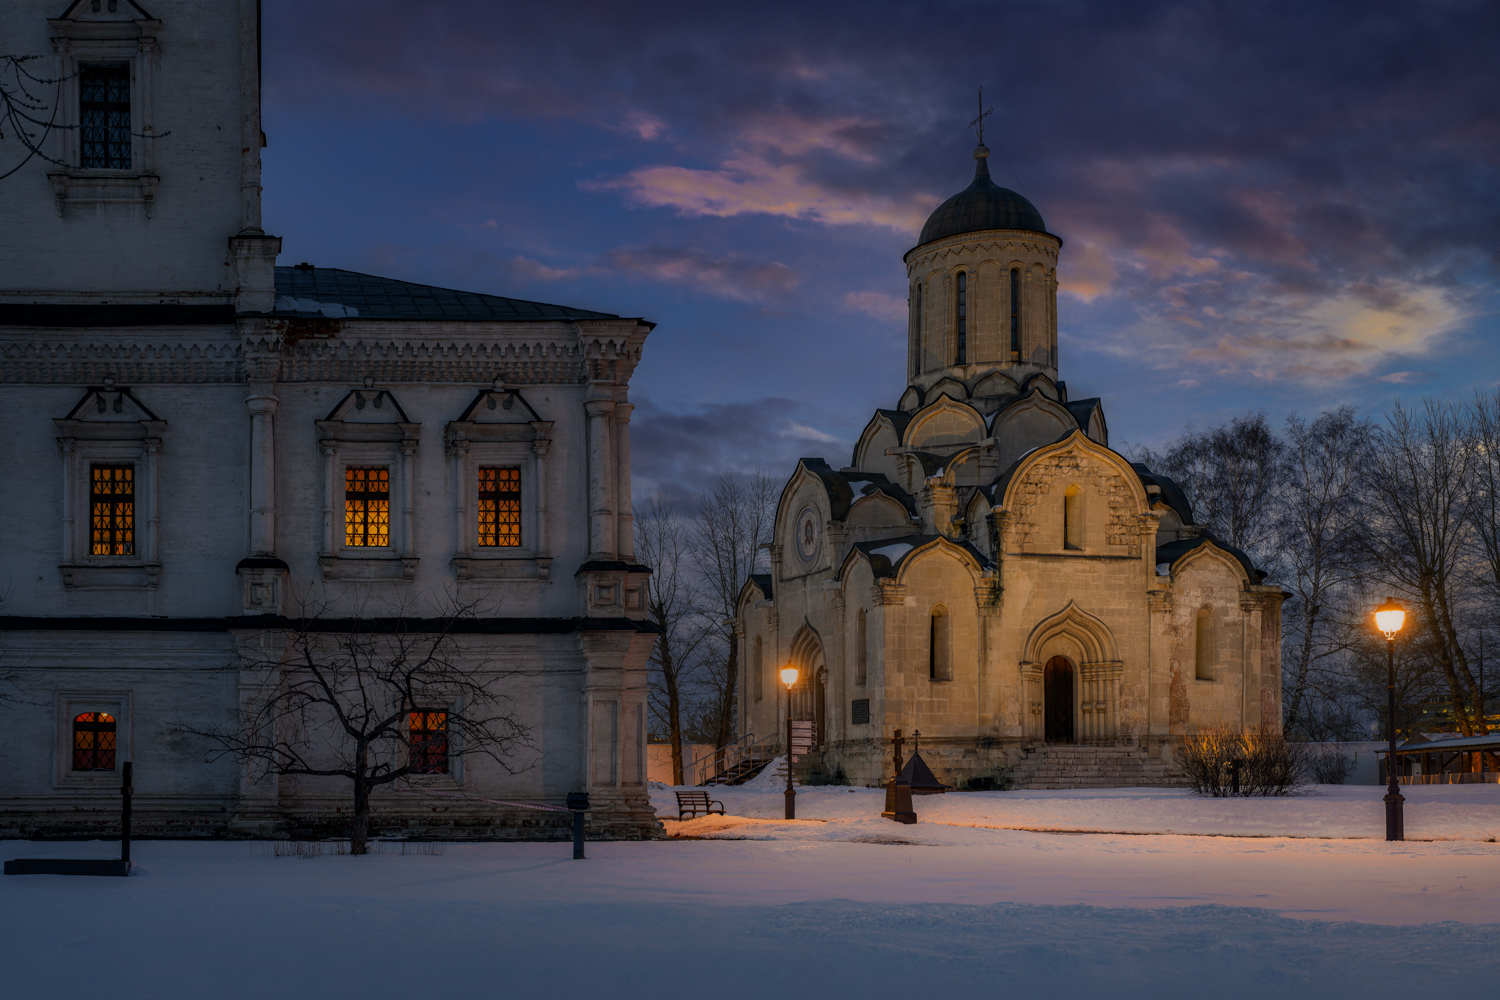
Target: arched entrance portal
{"points": [[1057, 687], [806, 701]]}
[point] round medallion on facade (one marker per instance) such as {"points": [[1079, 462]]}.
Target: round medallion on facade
{"points": [[808, 534]]}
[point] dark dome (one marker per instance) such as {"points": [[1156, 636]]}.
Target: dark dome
{"points": [[982, 205]]}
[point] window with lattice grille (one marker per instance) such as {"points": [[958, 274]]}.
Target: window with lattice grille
{"points": [[428, 739], [499, 506], [367, 506], [104, 117], [94, 742], [112, 510]]}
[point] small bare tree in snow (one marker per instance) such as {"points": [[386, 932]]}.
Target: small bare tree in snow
{"points": [[370, 700]]}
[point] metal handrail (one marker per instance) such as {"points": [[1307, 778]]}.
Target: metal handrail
{"points": [[727, 757]]}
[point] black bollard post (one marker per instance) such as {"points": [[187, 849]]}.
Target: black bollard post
{"points": [[125, 793], [578, 802]]}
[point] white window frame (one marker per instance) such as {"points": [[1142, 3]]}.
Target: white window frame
{"points": [[71, 704], [520, 444], [82, 43], [346, 443], [83, 443]]}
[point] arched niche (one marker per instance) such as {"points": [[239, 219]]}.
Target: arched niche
{"points": [[944, 423], [877, 514], [1029, 423]]}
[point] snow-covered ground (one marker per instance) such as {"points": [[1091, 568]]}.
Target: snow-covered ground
{"points": [[837, 904], [1433, 812]]}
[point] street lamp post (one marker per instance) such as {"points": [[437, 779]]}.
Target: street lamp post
{"points": [[789, 678], [1389, 618]]}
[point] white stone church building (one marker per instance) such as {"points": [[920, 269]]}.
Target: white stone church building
{"points": [[986, 569], [200, 445]]}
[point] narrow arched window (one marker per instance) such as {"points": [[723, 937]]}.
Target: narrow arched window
{"points": [[1073, 518], [919, 361], [1205, 645], [860, 649], [758, 671], [94, 742], [961, 318], [940, 640], [1015, 310]]}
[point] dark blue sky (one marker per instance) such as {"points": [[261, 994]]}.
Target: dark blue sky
{"points": [[1277, 205]]}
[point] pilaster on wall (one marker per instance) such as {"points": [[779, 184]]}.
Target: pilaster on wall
{"points": [[255, 268], [602, 532], [613, 724], [1033, 725]]}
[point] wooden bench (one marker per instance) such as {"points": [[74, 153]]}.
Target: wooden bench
{"points": [[690, 804]]}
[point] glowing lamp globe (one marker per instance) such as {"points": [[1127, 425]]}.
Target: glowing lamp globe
{"points": [[1389, 617], [788, 676]]}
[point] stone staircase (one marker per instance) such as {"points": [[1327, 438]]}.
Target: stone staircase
{"points": [[1068, 766]]}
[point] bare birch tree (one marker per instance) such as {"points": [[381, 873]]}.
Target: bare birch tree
{"points": [[1484, 516], [662, 541], [371, 700], [1418, 490], [733, 518], [1318, 529]]}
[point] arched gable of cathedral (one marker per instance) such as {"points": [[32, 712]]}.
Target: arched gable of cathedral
{"points": [[1203, 554], [882, 432], [1031, 421], [941, 548], [878, 512], [911, 399], [1041, 383], [996, 384], [993, 392], [757, 587], [1089, 414], [950, 387], [1074, 633], [1110, 497], [813, 496], [943, 423]]}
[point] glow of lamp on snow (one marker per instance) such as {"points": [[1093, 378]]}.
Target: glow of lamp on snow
{"points": [[789, 676], [1389, 617]]}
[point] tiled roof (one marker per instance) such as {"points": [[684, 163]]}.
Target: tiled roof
{"points": [[329, 292]]}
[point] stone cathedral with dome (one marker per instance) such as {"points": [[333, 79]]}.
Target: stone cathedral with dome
{"points": [[986, 569]]}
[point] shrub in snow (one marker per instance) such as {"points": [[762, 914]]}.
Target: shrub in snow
{"points": [[1330, 766], [1267, 763]]}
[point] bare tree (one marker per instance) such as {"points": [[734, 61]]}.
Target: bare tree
{"points": [[1484, 513], [662, 541], [372, 700], [1319, 520], [1231, 474], [1418, 488], [27, 114], [733, 518]]}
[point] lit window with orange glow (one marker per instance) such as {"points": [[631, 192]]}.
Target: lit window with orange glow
{"points": [[94, 742], [112, 510], [367, 506], [428, 739], [499, 506]]}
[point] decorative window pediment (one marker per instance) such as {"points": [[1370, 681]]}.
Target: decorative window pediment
{"points": [[109, 434], [119, 35], [369, 449], [500, 441]]}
